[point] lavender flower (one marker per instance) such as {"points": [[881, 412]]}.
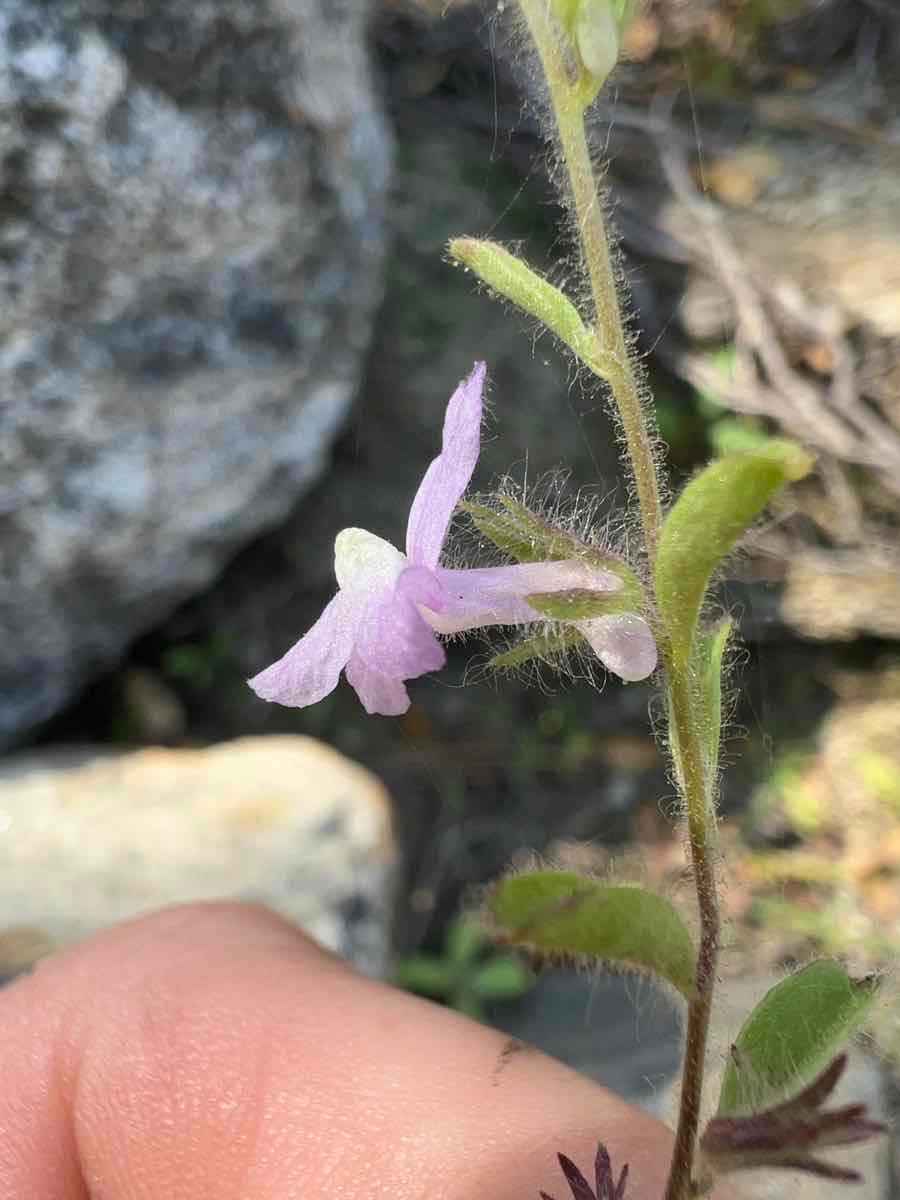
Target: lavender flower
{"points": [[381, 628]]}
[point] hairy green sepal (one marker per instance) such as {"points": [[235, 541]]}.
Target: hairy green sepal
{"points": [[715, 509], [793, 1034], [580, 604], [551, 646], [513, 279], [526, 537], [562, 913]]}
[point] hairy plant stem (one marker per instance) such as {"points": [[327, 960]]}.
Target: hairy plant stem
{"points": [[609, 329], [567, 104], [701, 832]]}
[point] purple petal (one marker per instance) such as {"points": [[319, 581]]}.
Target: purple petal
{"points": [[312, 667], [382, 694], [496, 595], [448, 475], [623, 643], [394, 643]]}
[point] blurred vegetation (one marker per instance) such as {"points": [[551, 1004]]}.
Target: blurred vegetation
{"points": [[468, 975]]}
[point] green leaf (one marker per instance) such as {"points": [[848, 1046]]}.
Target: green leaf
{"points": [[561, 912], [463, 941], [793, 1034], [580, 604], [715, 509], [544, 648], [502, 978], [513, 279], [426, 974], [707, 680], [710, 651]]}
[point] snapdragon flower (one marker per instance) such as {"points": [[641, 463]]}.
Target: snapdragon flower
{"points": [[381, 628]]}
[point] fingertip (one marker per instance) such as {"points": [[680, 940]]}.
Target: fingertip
{"points": [[215, 1050]]}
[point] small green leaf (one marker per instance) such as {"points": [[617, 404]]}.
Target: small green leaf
{"points": [[513, 279], [793, 1034], [502, 978], [715, 509], [561, 912], [544, 648], [707, 679], [579, 604], [463, 941], [710, 652], [426, 974]]}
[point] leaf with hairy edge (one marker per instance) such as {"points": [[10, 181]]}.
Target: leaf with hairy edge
{"points": [[561, 912], [513, 279], [710, 652], [798, 1027], [715, 509], [543, 648]]}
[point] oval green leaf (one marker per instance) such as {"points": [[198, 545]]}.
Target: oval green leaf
{"points": [[562, 913], [712, 513], [795, 1031]]}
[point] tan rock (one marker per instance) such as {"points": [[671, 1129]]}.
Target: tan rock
{"points": [[91, 838]]}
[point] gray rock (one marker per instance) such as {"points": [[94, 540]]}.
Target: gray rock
{"points": [[92, 838], [191, 234]]}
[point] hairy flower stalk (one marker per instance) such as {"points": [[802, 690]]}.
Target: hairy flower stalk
{"points": [[381, 628]]}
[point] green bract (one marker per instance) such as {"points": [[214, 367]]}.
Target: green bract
{"points": [[793, 1034], [513, 279], [543, 648], [710, 652], [526, 537], [561, 912], [712, 513]]}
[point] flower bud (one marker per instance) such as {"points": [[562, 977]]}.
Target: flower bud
{"points": [[596, 31]]}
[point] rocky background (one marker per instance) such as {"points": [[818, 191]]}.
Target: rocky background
{"points": [[228, 330]]}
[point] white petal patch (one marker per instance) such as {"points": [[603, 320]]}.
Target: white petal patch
{"points": [[365, 562]]}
